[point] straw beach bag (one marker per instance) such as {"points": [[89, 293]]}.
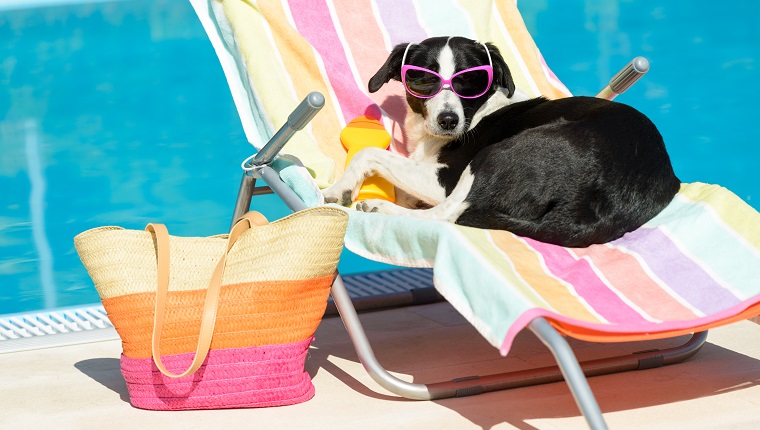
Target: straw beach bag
{"points": [[217, 322]]}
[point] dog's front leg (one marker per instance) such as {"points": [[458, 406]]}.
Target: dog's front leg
{"points": [[415, 178], [447, 210]]}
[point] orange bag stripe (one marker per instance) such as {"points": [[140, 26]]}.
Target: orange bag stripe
{"points": [[250, 314]]}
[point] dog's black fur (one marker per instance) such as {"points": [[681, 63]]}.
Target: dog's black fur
{"points": [[573, 171]]}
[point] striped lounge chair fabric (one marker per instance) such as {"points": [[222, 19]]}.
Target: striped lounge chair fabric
{"points": [[274, 53], [695, 266]]}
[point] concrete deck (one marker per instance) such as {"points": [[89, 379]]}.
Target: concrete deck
{"points": [[80, 387]]}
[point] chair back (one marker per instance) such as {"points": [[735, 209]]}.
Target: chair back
{"points": [[276, 52]]}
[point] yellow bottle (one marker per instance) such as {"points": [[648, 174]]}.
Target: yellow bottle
{"points": [[364, 132]]}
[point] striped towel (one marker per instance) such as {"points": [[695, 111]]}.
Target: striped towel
{"points": [[274, 53], [693, 267]]}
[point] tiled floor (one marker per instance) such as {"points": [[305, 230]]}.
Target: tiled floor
{"points": [[80, 387]]}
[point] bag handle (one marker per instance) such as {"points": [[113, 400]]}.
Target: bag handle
{"points": [[208, 319]]}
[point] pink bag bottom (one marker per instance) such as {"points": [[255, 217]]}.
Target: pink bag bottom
{"points": [[259, 376]]}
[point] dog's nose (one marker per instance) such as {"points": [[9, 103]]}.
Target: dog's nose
{"points": [[448, 120]]}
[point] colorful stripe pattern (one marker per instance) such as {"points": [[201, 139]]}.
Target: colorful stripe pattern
{"points": [[261, 337], [694, 266], [293, 47], [273, 293]]}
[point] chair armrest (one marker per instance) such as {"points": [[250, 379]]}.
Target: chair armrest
{"points": [[625, 78]]}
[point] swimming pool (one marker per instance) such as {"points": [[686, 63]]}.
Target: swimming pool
{"points": [[118, 113]]}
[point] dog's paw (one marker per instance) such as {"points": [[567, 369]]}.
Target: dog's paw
{"points": [[341, 197], [367, 206], [377, 205]]}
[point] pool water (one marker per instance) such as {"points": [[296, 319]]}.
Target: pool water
{"points": [[117, 113], [111, 113], [700, 91]]}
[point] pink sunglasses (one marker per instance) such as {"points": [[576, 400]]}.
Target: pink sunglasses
{"points": [[468, 84]]}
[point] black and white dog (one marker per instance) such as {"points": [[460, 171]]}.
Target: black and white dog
{"points": [[573, 171]]}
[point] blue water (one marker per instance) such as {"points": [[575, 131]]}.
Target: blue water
{"points": [[703, 82], [117, 113]]}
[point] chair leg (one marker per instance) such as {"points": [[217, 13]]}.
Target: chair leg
{"points": [[572, 372], [364, 350], [569, 366], [245, 194]]}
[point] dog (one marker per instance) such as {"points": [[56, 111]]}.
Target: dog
{"points": [[572, 172]]}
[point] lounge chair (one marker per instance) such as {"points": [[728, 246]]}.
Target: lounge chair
{"points": [[693, 267]]}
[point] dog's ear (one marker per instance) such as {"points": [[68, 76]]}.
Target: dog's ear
{"points": [[501, 74], [390, 70]]}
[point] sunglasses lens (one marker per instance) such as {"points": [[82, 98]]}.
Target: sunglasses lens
{"points": [[471, 83], [421, 83]]}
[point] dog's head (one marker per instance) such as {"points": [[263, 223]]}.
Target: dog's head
{"points": [[447, 109]]}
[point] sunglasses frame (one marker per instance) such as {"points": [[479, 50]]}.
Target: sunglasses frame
{"points": [[446, 83]]}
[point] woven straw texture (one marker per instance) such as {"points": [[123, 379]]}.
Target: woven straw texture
{"points": [[271, 375], [249, 314], [273, 294], [301, 246]]}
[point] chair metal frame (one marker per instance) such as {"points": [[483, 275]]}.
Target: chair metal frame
{"points": [[568, 367]]}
